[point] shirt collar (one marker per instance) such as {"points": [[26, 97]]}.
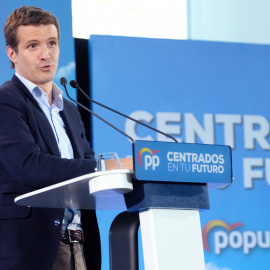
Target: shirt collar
{"points": [[34, 89]]}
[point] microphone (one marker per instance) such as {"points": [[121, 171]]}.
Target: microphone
{"points": [[63, 81], [74, 84]]}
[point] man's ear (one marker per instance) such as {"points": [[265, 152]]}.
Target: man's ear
{"points": [[12, 55]]}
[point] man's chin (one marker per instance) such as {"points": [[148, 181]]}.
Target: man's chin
{"points": [[46, 79]]}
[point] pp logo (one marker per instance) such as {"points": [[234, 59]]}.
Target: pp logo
{"points": [[151, 161], [222, 240]]}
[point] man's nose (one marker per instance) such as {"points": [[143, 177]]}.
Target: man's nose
{"points": [[44, 53]]}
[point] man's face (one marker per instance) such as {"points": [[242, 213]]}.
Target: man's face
{"points": [[38, 53]]}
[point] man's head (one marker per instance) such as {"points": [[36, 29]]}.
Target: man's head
{"points": [[32, 39], [26, 15]]}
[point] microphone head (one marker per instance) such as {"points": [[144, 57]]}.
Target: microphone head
{"points": [[74, 84], [63, 81]]}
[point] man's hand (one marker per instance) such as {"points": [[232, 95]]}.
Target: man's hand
{"points": [[126, 163]]}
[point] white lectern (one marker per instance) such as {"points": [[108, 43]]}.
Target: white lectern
{"points": [[99, 190], [171, 237]]}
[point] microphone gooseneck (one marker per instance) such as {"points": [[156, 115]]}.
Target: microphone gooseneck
{"points": [[63, 82], [74, 84]]}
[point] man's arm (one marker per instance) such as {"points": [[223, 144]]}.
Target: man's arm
{"points": [[21, 152]]}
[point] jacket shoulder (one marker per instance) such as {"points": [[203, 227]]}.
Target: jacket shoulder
{"points": [[6, 86], [14, 90], [9, 91]]}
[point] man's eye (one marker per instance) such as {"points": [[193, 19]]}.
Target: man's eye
{"points": [[52, 43], [31, 46]]}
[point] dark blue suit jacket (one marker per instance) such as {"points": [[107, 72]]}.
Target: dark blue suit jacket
{"points": [[30, 159]]}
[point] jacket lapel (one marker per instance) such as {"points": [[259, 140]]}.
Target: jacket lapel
{"points": [[73, 129], [43, 124]]}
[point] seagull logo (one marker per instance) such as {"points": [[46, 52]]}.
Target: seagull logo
{"points": [[214, 223], [145, 150]]}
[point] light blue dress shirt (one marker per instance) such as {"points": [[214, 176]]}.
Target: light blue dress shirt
{"points": [[72, 217]]}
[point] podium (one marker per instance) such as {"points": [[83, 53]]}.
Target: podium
{"points": [[99, 190], [168, 209]]}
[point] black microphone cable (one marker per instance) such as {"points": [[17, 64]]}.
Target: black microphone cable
{"points": [[74, 84], [63, 81]]}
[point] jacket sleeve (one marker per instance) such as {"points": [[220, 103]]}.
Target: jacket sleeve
{"points": [[25, 158]]}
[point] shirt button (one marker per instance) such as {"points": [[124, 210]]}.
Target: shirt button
{"points": [[57, 222]]}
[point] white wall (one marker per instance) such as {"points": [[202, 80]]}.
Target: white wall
{"points": [[137, 18], [229, 20]]}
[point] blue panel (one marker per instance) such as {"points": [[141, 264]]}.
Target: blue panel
{"points": [[203, 92], [182, 162], [147, 195]]}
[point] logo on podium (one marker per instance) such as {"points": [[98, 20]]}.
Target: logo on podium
{"points": [[151, 160], [182, 162]]}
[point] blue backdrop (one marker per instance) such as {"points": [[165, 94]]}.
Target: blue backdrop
{"points": [[205, 92]]}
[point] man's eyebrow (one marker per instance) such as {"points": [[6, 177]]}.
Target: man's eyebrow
{"points": [[37, 41], [28, 42], [32, 40], [53, 39]]}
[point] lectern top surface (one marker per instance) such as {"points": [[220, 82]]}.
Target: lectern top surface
{"points": [[75, 193]]}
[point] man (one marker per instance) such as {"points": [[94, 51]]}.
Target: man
{"points": [[42, 142]]}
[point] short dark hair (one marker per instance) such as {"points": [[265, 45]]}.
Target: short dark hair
{"points": [[26, 15]]}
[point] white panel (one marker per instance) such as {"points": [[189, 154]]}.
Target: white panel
{"points": [[138, 18], [172, 239], [229, 20]]}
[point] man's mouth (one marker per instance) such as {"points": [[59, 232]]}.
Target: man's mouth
{"points": [[45, 67]]}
